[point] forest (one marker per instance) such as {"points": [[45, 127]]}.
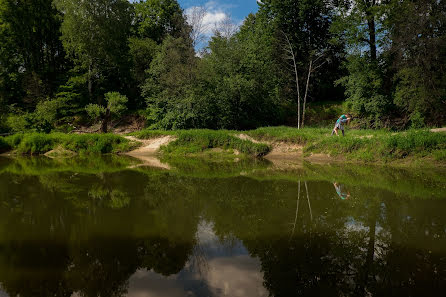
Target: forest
{"points": [[71, 63]]}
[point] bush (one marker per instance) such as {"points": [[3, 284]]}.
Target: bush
{"points": [[19, 123], [417, 120], [36, 143]]}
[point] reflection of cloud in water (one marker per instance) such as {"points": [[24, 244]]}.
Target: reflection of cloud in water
{"points": [[147, 283], [2, 293], [236, 276], [228, 272]]}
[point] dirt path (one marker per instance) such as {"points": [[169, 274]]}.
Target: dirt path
{"points": [[438, 130], [149, 146], [148, 150]]}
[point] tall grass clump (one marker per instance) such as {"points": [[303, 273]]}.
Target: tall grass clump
{"points": [[288, 134], [149, 134], [415, 142], [40, 143], [96, 143], [36, 143]]}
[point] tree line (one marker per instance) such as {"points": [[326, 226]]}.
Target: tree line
{"points": [[70, 62]]}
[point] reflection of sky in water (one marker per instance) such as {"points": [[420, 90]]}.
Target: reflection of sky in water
{"points": [[215, 269], [2, 294]]}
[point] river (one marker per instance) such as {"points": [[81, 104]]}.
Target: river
{"points": [[111, 226]]}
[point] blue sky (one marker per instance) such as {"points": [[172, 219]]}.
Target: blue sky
{"points": [[237, 9]]}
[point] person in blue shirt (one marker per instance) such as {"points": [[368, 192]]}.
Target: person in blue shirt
{"points": [[340, 124]]}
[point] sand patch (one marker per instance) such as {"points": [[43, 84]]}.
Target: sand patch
{"points": [[249, 138], [149, 146]]}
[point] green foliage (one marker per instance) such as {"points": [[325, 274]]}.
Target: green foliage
{"points": [[95, 111], [366, 96], [414, 95], [142, 50], [32, 59], [104, 55], [417, 120], [158, 18], [57, 60], [168, 88], [20, 122], [39, 143], [116, 105]]}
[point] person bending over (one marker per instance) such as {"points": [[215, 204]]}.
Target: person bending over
{"points": [[340, 124]]}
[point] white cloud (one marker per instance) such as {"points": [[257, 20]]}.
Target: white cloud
{"points": [[214, 14]]}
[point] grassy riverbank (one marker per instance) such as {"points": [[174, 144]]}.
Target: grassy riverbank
{"points": [[39, 143], [194, 142], [367, 146], [361, 145]]}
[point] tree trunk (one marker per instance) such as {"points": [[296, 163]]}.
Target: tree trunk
{"points": [[310, 68], [90, 84], [372, 31], [293, 57], [104, 124]]}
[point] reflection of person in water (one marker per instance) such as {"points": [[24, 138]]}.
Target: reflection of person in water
{"points": [[344, 195]]}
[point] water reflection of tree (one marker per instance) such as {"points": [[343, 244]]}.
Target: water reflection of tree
{"points": [[374, 245], [52, 244]]}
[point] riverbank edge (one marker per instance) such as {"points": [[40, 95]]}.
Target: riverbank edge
{"points": [[421, 148]]}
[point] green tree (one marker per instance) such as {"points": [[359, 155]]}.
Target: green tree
{"points": [[360, 24], [95, 34], [155, 19], [304, 27], [168, 88], [417, 44], [32, 59], [116, 105], [245, 77]]}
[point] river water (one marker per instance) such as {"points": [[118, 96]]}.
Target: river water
{"points": [[111, 226]]}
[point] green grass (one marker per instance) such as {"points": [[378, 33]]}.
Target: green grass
{"points": [[39, 143], [361, 145], [369, 146], [193, 142]]}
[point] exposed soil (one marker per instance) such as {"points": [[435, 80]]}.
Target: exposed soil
{"points": [[279, 150], [149, 146]]}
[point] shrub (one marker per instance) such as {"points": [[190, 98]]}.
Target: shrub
{"points": [[36, 143]]}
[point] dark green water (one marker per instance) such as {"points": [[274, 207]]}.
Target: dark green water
{"points": [[108, 227]]}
